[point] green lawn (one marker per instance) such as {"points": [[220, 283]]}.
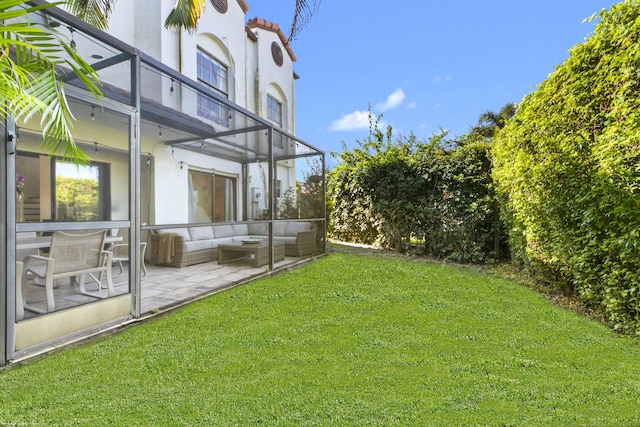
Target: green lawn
{"points": [[349, 340]]}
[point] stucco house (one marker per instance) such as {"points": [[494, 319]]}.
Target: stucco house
{"points": [[194, 162]]}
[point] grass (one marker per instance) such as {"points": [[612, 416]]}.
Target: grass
{"points": [[349, 340]]}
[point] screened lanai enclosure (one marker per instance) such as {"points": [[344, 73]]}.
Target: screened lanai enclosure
{"points": [[185, 193]]}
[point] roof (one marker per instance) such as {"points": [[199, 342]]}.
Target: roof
{"points": [[243, 5], [270, 26]]}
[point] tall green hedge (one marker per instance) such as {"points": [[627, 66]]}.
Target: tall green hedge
{"points": [[567, 169], [433, 197]]}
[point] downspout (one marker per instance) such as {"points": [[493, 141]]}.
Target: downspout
{"points": [[180, 52], [293, 101]]}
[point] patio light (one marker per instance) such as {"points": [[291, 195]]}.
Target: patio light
{"points": [[73, 42]]}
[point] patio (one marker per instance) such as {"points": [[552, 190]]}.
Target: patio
{"points": [[159, 159], [165, 287]]}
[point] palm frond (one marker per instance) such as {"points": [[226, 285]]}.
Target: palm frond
{"points": [[31, 60], [304, 11], [185, 14], [94, 12]]}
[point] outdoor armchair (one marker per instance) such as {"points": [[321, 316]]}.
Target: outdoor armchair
{"points": [[70, 255], [121, 252]]}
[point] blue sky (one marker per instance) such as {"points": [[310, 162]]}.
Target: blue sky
{"points": [[425, 65]]}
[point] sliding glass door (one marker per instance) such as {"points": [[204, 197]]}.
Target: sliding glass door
{"points": [[212, 197]]}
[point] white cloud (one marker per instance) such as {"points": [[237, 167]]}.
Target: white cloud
{"points": [[393, 101], [412, 106], [351, 121], [443, 79]]}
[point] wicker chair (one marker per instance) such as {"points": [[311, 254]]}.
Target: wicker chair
{"points": [[70, 255]]}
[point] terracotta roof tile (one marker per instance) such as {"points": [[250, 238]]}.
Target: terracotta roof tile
{"points": [[251, 34], [270, 26], [243, 5]]}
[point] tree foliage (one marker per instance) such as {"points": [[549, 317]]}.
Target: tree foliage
{"points": [[306, 198], [32, 59], [77, 199], [401, 193], [185, 14], [568, 171], [491, 122]]}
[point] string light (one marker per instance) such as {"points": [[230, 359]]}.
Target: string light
{"points": [[93, 114], [171, 90], [73, 42], [159, 132]]}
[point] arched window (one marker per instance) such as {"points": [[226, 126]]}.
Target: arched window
{"points": [[274, 110], [277, 106], [213, 74]]}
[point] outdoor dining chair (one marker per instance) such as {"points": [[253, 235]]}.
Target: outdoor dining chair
{"points": [[121, 252], [70, 255]]}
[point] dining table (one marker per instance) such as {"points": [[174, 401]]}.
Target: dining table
{"points": [[43, 242]]}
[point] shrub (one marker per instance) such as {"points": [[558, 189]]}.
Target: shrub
{"points": [[568, 171], [405, 193]]}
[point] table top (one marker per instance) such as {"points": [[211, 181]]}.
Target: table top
{"points": [[45, 241], [248, 247]]}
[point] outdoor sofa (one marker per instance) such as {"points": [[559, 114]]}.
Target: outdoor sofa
{"points": [[180, 247]]}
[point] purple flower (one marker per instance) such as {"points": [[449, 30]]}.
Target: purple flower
{"points": [[19, 182]]}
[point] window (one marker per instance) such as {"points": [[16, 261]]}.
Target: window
{"points": [[220, 5], [276, 54], [213, 74], [278, 188], [212, 198], [54, 190], [274, 110], [81, 192]]}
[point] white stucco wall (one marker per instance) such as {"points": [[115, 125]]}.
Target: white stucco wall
{"points": [[252, 75], [273, 79]]}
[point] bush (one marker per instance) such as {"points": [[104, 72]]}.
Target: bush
{"points": [[403, 194], [568, 172]]}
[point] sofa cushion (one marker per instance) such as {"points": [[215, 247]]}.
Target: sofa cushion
{"points": [[224, 241], [197, 245], [261, 229], [286, 240], [222, 231], [293, 228], [240, 229], [181, 231], [279, 228], [201, 233]]}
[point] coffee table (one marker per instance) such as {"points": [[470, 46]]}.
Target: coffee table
{"points": [[260, 252]]}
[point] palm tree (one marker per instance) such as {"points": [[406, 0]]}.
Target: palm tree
{"points": [[185, 14], [490, 122], [30, 59], [31, 55]]}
